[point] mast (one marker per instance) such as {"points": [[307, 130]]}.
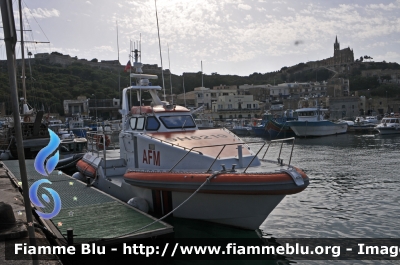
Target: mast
{"points": [[119, 73], [202, 74], [170, 76], [22, 56], [184, 94]]}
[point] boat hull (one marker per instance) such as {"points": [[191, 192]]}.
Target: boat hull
{"points": [[242, 200], [242, 131], [279, 130], [236, 199], [317, 128], [388, 130], [259, 131], [361, 128], [243, 211]]}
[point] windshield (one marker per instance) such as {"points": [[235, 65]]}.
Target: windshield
{"points": [[181, 121]]}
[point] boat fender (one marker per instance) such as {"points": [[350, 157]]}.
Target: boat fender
{"points": [[139, 203], [78, 176], [4, 156], [296, 176]]}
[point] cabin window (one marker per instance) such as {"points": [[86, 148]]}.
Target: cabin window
{"points": [[179, 121], [140, 123], [136, 123], [132, 123], [152, 124]]}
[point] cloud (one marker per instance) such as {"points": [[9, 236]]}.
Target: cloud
{"points": [[388, 7], [248, 17], [101, 49], [388, 57], [41, 13], [226, 31], [88, 2], [243, 6]]}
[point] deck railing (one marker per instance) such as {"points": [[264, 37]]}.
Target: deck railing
{"points": [[279, 159]]}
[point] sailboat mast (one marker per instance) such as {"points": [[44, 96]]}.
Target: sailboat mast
{"points": [[202, 74], [170, 76], [119, 73], [184, 94], [22, 54]]}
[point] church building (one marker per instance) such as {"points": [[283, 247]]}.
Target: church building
{"points": [[339, 57]]}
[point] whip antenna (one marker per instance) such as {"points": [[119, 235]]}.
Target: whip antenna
{"points": [[159, 45]]}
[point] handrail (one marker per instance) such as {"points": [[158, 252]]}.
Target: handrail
{"points": [[210, 146], [248, 165], [280, 151], [254, 157]]}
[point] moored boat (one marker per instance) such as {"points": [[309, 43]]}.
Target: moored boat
{"points": [[274, 127], [166, 162], [311, 122], [389, 125]]}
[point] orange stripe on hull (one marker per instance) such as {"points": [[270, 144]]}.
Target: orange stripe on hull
{"points": [[224, 183]]}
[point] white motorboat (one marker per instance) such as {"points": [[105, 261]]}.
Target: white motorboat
{"points": [[389, 125], [311, 122], [165, 164]]}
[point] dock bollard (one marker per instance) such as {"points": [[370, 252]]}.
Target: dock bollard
{"points": [[70, 236], [87, 181]]}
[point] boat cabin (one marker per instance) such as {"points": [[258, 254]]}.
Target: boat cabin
{"points": [[390, 120], [72, 146], [160, 119], [310, 114]]}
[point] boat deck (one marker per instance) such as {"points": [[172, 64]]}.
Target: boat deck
{"points": [[91, 213]]}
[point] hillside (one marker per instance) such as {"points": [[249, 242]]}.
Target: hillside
{"points": [[50, 84]]}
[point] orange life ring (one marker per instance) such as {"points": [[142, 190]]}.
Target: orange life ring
{"points": [[86, 169], [100, 141]]}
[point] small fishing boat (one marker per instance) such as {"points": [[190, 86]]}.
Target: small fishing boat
{"points": [[77, 125], [278, 129], [241, 128], [389, 125], [274, 127], [311, 122], [166, 163]]}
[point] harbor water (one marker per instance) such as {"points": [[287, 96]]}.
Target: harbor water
{"points": [[354, 192]]}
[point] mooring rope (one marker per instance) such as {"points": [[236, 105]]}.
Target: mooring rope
{"points": [[198, 189]]}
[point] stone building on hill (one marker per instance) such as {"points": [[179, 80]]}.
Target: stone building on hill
{"points": [[340, 57]]}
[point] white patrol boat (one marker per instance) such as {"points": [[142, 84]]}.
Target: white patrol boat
{"points": [[166, 165]]}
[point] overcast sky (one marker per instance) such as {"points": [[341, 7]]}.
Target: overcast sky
{"points": [[230, 36]]}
